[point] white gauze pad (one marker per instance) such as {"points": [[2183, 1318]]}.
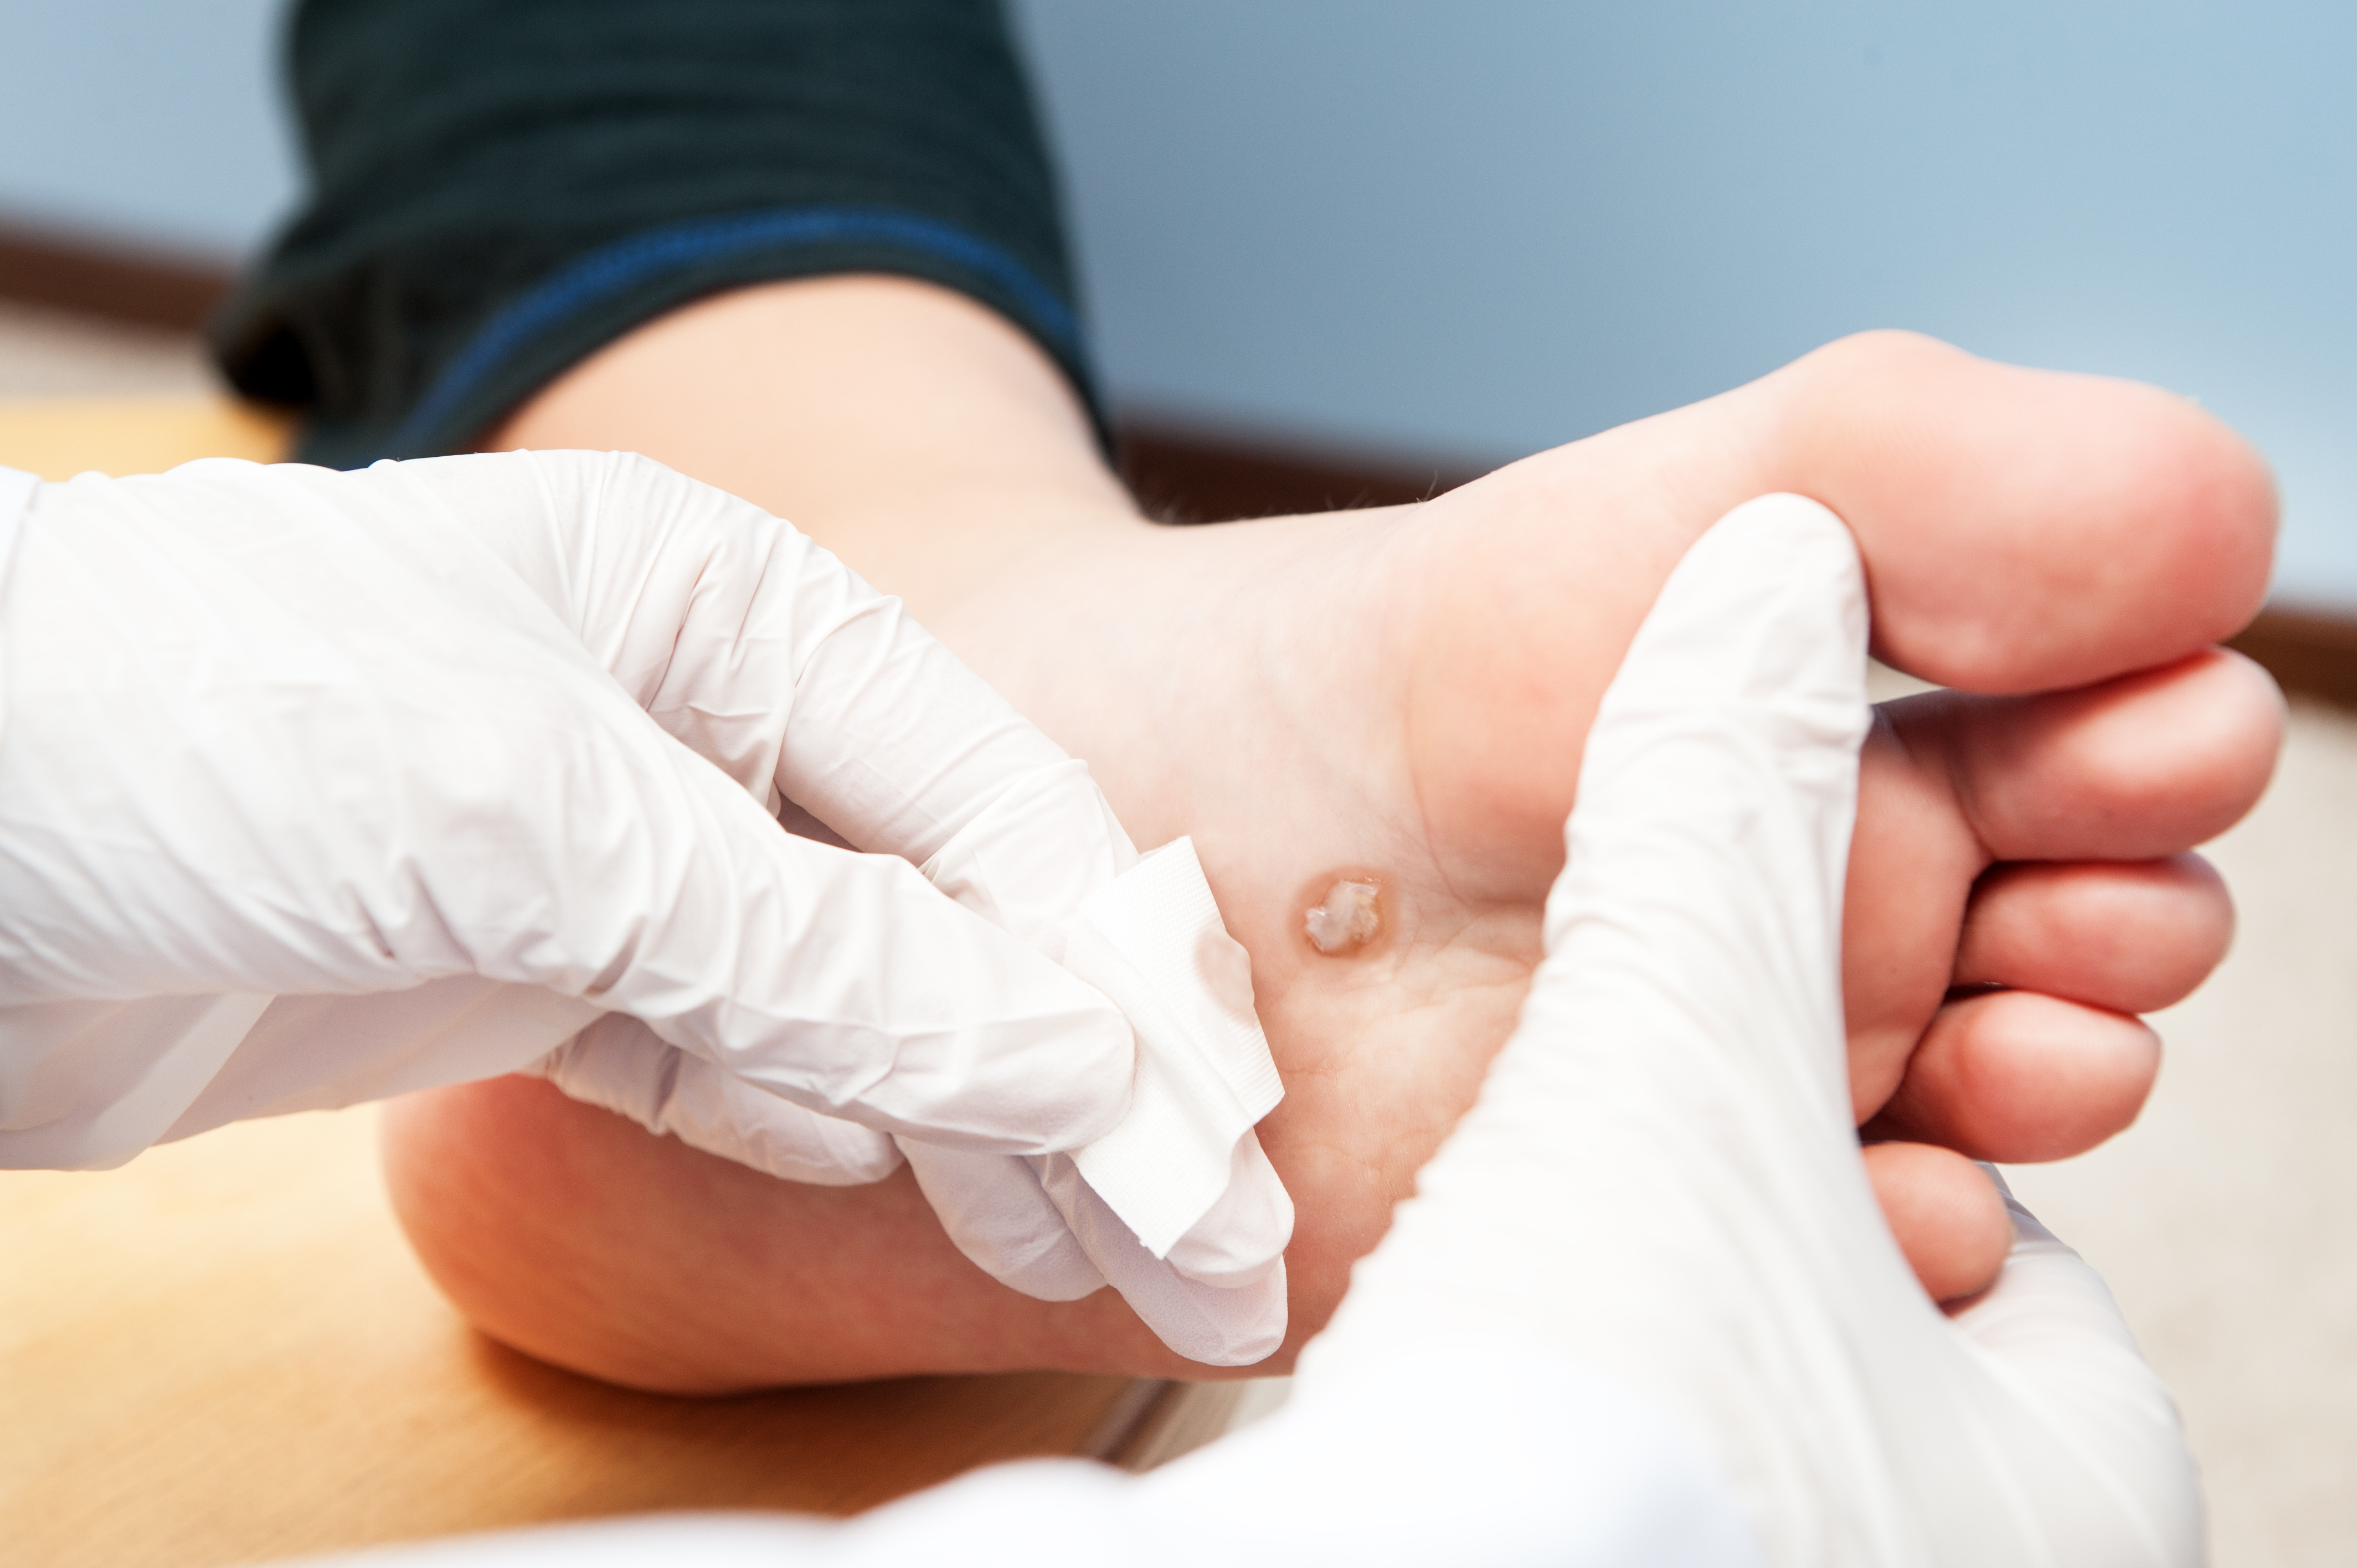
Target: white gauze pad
{"points": [[1154, 942], [1177, 1208]]}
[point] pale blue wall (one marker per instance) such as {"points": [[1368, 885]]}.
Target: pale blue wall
{"points": [[1488, 228], [152, 120], [1471, 229]]}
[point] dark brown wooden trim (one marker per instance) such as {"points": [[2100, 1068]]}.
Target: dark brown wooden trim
{"points": [[1126, 1429], [1186, 475], [2308, 652], [155, 290], [1156, 1421]]}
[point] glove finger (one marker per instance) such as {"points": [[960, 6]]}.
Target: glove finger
{"points": [[1219, 1325], [1243, 1236], [618, 1065], [840, 980], [1037, 1226], [2051, 1330], [993, 1208]]}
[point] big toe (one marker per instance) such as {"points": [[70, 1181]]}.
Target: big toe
{"points": [[2022, 530], [2025, 530]]}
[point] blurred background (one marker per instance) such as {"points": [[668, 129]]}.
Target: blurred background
{"points": [[1447, 237], [1336, 252]]}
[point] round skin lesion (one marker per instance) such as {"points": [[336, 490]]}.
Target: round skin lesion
{"points": [[1349, 918]]}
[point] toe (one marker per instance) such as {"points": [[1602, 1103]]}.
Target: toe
{"points": [[2128, 936], [1944, 1213], [2144, 766], [2016, 1077], [2025, 530]]}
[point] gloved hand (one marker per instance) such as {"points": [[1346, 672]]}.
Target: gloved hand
{"points": [[282, 731], [389, 734], [1660, 1182], [1176, 1206]]}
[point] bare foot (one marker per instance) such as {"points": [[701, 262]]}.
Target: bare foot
{"points": [[1401, 697]]}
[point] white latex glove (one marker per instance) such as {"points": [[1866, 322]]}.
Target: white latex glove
{"points": [[279, 731], [283, 737], [1661, 1178], [1642, 1311], [878, 733]]}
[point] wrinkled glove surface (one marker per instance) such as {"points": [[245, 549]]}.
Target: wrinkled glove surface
{"points": [[496, 743]]}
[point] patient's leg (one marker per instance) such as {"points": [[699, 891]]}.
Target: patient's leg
{"points": [[1403, 693]]}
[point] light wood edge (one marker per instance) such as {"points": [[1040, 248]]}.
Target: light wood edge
{"points": [[59, 437], [1159, 1419]]}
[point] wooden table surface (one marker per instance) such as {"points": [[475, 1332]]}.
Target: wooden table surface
{"points": [[59, 437], [224, 1353]]}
